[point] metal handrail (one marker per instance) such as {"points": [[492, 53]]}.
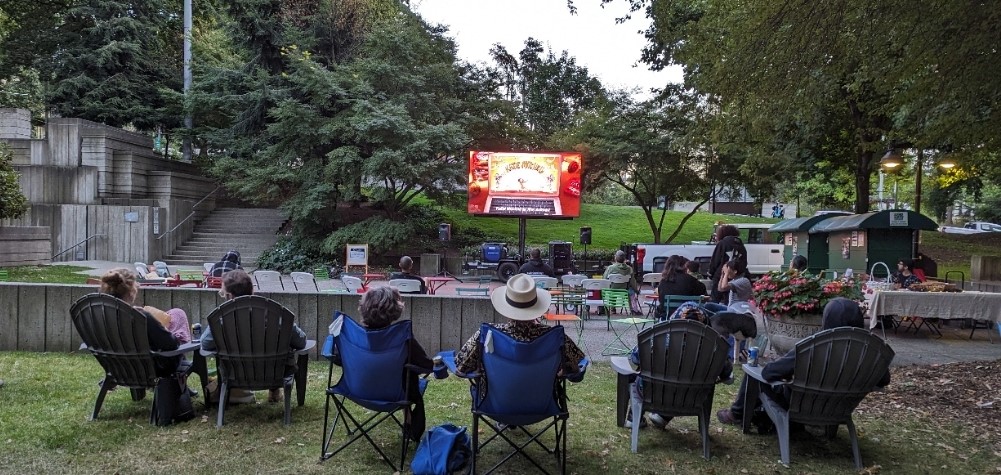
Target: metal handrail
{"points": [[192, 213], [64, 251]]}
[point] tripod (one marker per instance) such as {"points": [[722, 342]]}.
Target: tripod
{"points": [[443, 267]]}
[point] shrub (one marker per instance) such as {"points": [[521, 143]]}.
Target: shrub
{"points": [[290, 255], [791, 293], [12, 202]]}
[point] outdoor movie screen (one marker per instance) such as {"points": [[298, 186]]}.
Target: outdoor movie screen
{"points": [[525, 184]]}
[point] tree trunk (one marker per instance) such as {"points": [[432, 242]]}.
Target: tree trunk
{"points": [[862, 175]]}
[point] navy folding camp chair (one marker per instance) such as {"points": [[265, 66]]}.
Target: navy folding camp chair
{"points": [[369, 359], [521, 387]]}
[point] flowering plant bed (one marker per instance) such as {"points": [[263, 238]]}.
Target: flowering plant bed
{"points": [[790, 294]]}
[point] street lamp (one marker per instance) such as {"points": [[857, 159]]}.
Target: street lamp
{"points": [[891, 160]]}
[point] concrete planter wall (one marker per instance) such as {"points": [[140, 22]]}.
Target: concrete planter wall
{"points": [[35, 317], [23, 246]]}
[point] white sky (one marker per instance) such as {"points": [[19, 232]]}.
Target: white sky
{"points": [[610, 52]]}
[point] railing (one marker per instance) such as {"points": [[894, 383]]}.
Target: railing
{"points": [[189, 216], [68, 249]]}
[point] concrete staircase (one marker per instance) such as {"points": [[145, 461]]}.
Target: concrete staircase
{"points": [[247, 230]]}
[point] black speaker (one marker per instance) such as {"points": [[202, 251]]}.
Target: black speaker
{"points": [[561, 256], [444, 232], [585, 235]]}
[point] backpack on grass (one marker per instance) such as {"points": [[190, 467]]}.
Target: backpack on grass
{"points": [[443, 449]]}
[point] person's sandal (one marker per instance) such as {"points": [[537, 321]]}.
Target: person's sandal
{"points": [[726, 416]]}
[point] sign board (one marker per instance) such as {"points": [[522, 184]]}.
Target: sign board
{"points": [[357, 255], [898, 218], [156, 220], [131, 216]]}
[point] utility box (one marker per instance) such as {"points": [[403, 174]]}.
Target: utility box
{"points": [[561, 257]]}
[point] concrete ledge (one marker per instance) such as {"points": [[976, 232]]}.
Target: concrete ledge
{"points": [[35, 317], [25, 246]]}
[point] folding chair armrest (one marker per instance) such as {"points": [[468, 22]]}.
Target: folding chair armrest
{"points": [[207, 353], [185, 348], [755, 372], [581, 370], [310, 345], [622, 365]]}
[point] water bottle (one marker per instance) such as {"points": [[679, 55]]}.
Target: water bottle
{"points": [[196, 331], [440, 370]]}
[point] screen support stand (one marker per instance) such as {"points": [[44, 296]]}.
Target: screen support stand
{"points": [[522, 223]]}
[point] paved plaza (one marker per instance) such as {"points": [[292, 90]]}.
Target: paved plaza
{"points": [[911, 348]]}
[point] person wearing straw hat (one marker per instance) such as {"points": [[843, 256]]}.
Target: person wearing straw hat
{"points": [[523, 303]]}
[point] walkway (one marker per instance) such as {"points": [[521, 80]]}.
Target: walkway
{"points": [[911, 349]]}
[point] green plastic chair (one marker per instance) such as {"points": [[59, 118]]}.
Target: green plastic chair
{"points": [[619, 298]]}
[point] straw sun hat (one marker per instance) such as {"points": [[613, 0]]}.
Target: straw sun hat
{"points": [[520, 299]]}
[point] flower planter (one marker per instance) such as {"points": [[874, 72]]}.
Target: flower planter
{"points": [[785, 332]]}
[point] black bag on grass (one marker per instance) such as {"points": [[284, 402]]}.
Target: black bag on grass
{"points": [[173, 401]]}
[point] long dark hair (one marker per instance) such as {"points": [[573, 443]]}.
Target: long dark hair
{"points": [[673, 265]]}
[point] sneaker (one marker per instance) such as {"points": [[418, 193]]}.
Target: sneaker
{"points": [[275, 395], [727, 416], [241, 396], [629, 421], [658, 420]]}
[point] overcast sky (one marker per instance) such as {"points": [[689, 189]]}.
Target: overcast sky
{"points": [[610, 52]]}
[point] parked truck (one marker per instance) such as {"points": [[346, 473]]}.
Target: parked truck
{"points": [[764, 251], [973, 227]]}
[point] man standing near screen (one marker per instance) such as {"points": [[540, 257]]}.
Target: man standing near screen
{"points": [[535, 265]]}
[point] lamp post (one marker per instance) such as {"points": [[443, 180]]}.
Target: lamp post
{"points": [[892, 160]]}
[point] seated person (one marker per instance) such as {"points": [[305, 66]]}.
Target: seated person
{"points": [[675, 280], [406, 266], [734, 281], [695, 270], [523, 304], [535, 265], [688, 311], [231, 261], [619, 266], [904, 277], [798, 263], [237, 283], [379, 308], [839, 312], [121, 284]]}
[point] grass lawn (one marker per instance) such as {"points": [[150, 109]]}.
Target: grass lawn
{"points": [[52, 274], [47, 397], [611, 226]]}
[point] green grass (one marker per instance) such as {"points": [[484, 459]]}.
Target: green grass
{"points": [[952, 252], [47, 398], [52, 274], [611, 226]]}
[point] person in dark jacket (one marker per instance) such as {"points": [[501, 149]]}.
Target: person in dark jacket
{"points": [[675, 280], [839, 312], [406, 268], [535, 265], [729, 246], [231, 261]]}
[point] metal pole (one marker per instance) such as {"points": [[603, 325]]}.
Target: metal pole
{"points": [[188, 121], [918, 172]]}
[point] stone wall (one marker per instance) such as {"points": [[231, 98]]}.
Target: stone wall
{"points": [[35, 317], [23, 246]]}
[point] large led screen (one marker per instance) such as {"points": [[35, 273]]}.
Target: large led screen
{"points": [[525, 184]]}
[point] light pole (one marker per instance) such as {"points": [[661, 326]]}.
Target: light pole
{"points": [[892, 161]]}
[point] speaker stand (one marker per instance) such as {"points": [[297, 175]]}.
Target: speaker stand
{"points": [[444, 268]]}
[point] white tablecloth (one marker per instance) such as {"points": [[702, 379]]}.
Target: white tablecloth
{"points": [[947, 305]]}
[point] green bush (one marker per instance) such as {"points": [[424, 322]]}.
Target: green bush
{"points": [[418, 230], [290, 255], [12, 202]]}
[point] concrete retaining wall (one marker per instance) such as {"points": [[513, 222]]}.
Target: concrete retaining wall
{"points": [[25, 246], [35, 317]]}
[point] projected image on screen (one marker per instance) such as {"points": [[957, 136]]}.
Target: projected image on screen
{"points": [[524, 184]]}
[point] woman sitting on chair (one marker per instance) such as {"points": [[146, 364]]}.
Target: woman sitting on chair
{"points": [[379, 308], [121, 284]]}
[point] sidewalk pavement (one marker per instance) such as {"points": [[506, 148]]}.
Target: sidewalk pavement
{"points": [[911, 348]]}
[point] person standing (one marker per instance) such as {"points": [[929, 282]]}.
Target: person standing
{"points": [[406, 272], [729, 246]]}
